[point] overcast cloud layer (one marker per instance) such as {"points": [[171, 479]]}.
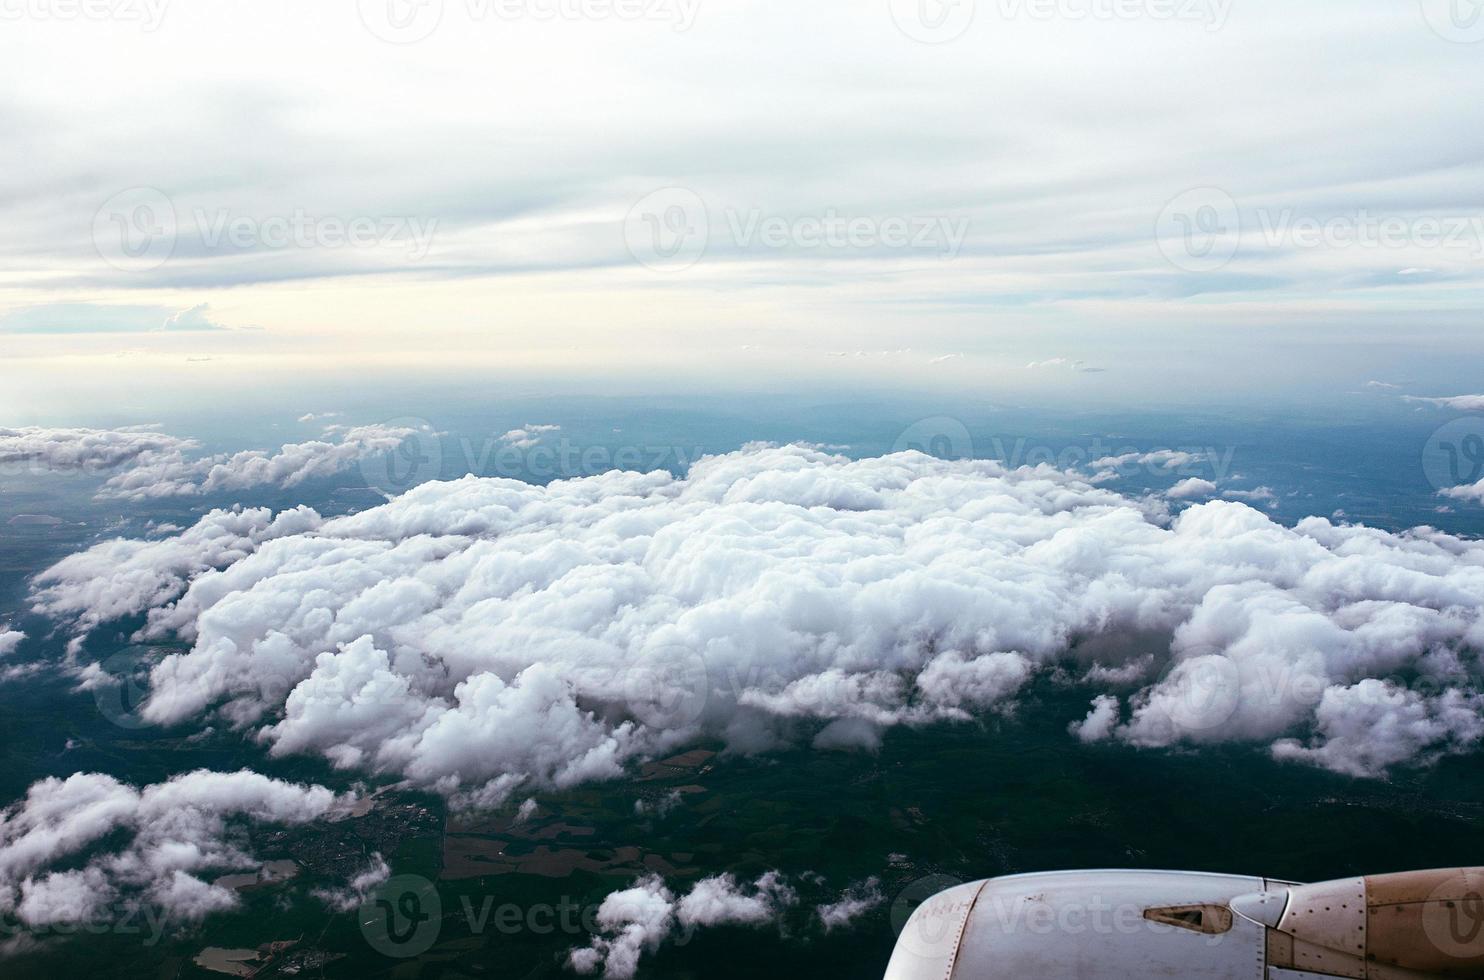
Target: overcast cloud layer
{"points": [[1069, 146], [481, 635]]}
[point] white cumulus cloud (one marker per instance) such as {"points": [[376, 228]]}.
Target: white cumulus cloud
{"points": [[358, 889], [483, 636], [1160, 460], [145, 464], [639, 919], [173, 474], [84, 450], [1192, 489], [122, 577], [1459, 403], [1368, 727], [1473, 492], [1100, 721], [530, 435], [853, 903], [9, 640], [169, 834]]}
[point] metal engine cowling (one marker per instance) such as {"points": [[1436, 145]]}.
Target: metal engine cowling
{"points": [[1087, 925]]}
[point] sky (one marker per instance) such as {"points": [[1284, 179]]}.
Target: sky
{"points": [[1084, 198], [297, 226]]}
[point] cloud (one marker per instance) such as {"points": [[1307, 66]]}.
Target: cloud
{"points": [[1064, 363], [634, 921], [1459, 403], [1368, 727], [529, 436], [854, 902], [91, 451], [639, 919], [1090, 284], [121, 577], [359, 888], [9, 640], [1474, 492], [151, 464], [1196, 488], [1126, 675], [143, 846], [196, 318], [482, 636], [92, 318], [720, 901], [1162, 460], [1191, 489], [1100, 721], [661, 807], [1257, 495], [172, 474]]}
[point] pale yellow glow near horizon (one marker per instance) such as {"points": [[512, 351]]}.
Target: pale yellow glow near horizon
{"points": [[523, 147]]}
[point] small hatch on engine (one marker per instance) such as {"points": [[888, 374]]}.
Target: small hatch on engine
{"points": [[1209, 920]]}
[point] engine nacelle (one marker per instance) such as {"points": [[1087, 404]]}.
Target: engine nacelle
{"points": [[1110, 925]]}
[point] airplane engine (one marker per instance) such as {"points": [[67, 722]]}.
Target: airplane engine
{"points": [[1110, 925]]}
